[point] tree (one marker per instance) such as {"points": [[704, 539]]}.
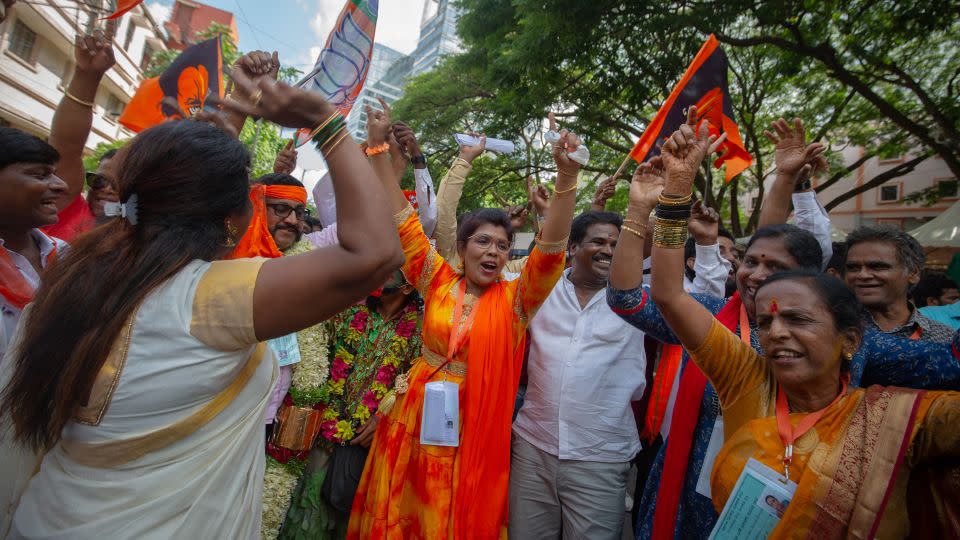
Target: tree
{"points": [[608, 65]]}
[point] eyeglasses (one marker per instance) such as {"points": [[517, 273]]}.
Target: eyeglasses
{"points": [[484, 241], [98, 181], [283, 210]]}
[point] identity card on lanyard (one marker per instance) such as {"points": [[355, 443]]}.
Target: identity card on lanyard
{"points": [[756, 505], [440, 423]]}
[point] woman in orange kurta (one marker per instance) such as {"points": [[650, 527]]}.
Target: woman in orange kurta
{"points": [[852, 456], [413, 490]]}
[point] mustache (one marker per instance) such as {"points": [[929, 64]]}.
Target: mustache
{"points": [[293, 228]]}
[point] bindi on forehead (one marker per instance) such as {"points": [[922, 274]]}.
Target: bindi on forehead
{"points": [[773, 306]]}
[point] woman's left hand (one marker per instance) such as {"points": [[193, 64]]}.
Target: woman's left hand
{"points": [[685, 150], [569, 142]]}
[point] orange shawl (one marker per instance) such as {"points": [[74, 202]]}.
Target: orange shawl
{"points": [[257, 241]]}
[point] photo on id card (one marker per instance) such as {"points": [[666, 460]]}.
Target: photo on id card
{"points": [[758, 501]]}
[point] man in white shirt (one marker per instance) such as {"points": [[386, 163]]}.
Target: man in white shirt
{"points": [[29, 190], [575, 435]]}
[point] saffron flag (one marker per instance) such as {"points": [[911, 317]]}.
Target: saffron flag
{"points": [[181, 90], [704, 84], [343, 63], [124, 6]]}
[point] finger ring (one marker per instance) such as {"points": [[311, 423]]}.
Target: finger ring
{"points": [[256, 97]]}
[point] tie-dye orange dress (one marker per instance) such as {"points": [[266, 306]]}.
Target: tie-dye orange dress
{"points": [[409, 490]]}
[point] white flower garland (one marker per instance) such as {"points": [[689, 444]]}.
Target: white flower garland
{"points": [[279, 479]]}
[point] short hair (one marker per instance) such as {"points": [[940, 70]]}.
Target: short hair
{"points": [[909, 252], [837, 258], [726, 234], [21, 147], [278, 179], [578, 230], [839, 299], [108, 154], [474, 220], [800, 244], [931, 284]]}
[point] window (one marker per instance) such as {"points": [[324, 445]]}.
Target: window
{"points": [[22, 42], [947, 189], [147, 55], [114, 106], [889, 193], [131, 28]]}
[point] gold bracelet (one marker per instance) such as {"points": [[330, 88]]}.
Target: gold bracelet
{"points": [[334, 145], [332, 138], [672, 222], [667, 200], [669, 236], [568, 173], [78, 100], [635, 231], [635, 222], [562, 191]]}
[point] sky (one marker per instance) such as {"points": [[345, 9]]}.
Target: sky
{"points": [[297, 29]]}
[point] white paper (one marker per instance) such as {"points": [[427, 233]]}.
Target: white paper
{"points": [[581, 155], [440, 424], [495, 145], [756, 504]]}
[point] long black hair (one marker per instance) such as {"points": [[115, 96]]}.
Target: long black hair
{"points": [[188, 177]]}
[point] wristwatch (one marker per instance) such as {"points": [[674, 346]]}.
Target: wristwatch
{"points": [[803, 186], [418, 160]]}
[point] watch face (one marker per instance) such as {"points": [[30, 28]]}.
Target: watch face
{"points": [[419, 159]]}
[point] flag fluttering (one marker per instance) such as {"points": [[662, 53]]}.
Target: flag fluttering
{"points": [[705, 85], [181, 90], [124, 6], [343, 63]]}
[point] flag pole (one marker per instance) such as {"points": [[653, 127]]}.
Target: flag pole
{"points": [[616, 175]]}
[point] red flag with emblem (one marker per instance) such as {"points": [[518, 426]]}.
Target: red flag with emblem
{"points": [[704, 84]]}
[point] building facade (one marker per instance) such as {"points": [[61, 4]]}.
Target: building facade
{"points": [[376, 86], [37, 59], [188, 17], [438, 34]]}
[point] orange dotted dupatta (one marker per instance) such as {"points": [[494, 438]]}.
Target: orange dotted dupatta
{"points": [[13, 286]]}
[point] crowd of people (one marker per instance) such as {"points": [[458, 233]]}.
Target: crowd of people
{"points": [[185, 352]]}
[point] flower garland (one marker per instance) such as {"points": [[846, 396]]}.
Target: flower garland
{"points": [[344, 414], [284, 467]]}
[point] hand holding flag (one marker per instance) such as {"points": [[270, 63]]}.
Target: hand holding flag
{"points": [[685, 150]]}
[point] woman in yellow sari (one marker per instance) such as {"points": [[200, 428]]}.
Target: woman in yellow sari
{"points": [[850, 451], [473, 336]]}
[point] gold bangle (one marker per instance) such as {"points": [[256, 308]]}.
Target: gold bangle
{"points": [[666, 200], [669, 235], [78, 100], [568, 190], [568, 173], [635, 222], [672, 222], [635, 231], [334, 145], [333, 137]]}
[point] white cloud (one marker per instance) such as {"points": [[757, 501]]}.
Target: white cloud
{"points": [[160, 12], [398, 22]]}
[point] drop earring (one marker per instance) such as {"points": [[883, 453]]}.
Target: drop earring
{"points": [[231, 234]]}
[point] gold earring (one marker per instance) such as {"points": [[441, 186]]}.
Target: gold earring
{"points": [[849, 356], [231, 234], [460, 267]]}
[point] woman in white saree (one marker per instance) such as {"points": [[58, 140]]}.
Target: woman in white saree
{"points": [[136, 381]]}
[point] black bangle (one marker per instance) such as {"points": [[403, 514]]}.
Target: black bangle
{"points": [[803, 186], [673, 212], [418, 159]]}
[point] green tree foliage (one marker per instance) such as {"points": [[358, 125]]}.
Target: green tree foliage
{"points": [[264, 151], [92, 161], [883, 75]]}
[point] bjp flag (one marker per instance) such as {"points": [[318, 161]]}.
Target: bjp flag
{"points": [[124, 6], [704, 84], [182, 88]]}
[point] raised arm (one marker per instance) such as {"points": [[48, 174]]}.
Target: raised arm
{"points": [[74, 115], [682, 155], [254, 65], [626, 273], [299, 291], [286, 160], [423, 182], [556, 228], [604, 191], [448, 199], [796, 160]]}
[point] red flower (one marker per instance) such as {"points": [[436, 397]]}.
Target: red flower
{"points": [[370, 401], [339, 370], [359, 321], [329, 430], [406, 327], [385, 375]]}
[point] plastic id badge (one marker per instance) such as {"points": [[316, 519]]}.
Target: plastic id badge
{"points": [[286, 349], [757, 503], [440, 425]]}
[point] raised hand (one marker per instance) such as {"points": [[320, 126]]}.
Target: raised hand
{"points": [[94, 52], [569, 142], [378, 124], [407, 139], [704, 224], [647, 184], [277, 102], [792, 152], [259, 64], [518, 215], [540, 198], [685, 150], [286, 160], [605, 190], [469, 153]]}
